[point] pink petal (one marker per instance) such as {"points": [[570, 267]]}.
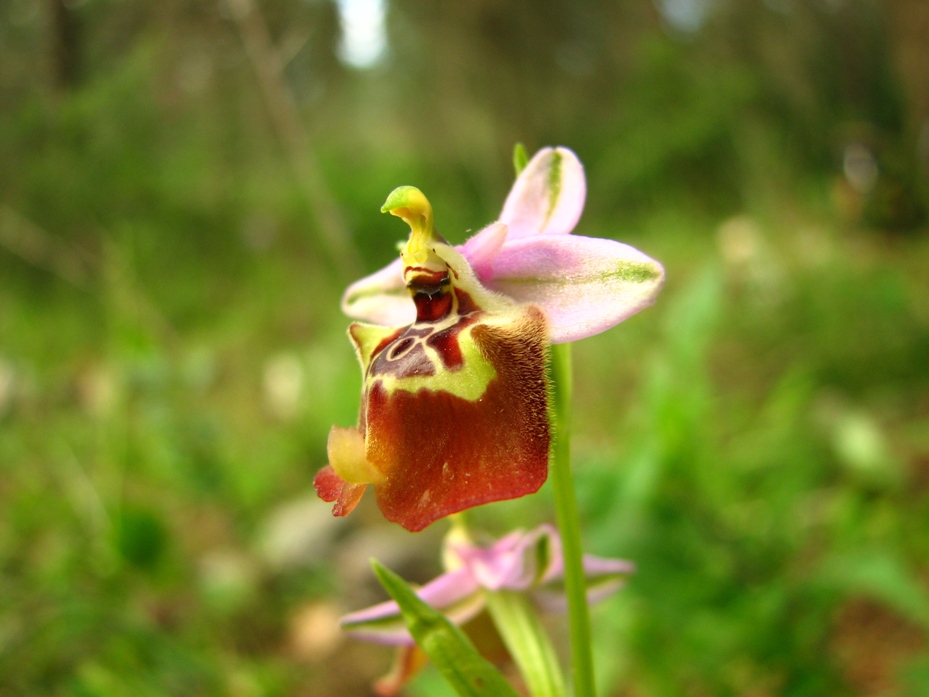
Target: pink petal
{"points": [[454, 593], [548, 196], [482, 249], [499, 566], [585, 285], [604, 577], [512, 562], [381, 298]]}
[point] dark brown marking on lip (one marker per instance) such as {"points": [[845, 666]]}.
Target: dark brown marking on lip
{"points": [[425, 281], [446, 343], [407, 359], [466, 304], [432, 307], [400, 347]]}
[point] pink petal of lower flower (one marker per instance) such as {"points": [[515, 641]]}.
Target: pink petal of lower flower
{"points": [[585, 285], [454, 593], [513, 562], [604, 577], [548, 196]]}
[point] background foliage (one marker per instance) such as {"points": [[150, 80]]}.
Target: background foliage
{"points": [[188, 185]]}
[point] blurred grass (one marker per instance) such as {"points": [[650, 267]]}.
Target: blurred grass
{"points": [[172, 357]]}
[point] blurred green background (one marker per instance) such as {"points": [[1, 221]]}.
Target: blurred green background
{"points": [[187, 186]]}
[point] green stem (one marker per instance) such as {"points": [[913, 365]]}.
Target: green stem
{"points": [[526, 640], [569, 526]]}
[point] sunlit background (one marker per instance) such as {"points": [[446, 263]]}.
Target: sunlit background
{"points": [[187, 186]]}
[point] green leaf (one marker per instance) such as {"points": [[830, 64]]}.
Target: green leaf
{"points": [[446, 645], [527, 642]]}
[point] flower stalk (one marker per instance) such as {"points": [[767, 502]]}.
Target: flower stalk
{"points": [[569, 526]]}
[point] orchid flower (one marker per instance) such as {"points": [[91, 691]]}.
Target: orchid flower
{"points": [[529, 562], [455, 404]]}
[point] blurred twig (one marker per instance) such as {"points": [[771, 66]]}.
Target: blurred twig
{"points": [[291, 133], [82, 269], [44, 251], [66, 44], [127, 299], [83, 494]]}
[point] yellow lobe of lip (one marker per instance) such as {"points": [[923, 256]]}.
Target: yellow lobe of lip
{"points": [[346, 449]]}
